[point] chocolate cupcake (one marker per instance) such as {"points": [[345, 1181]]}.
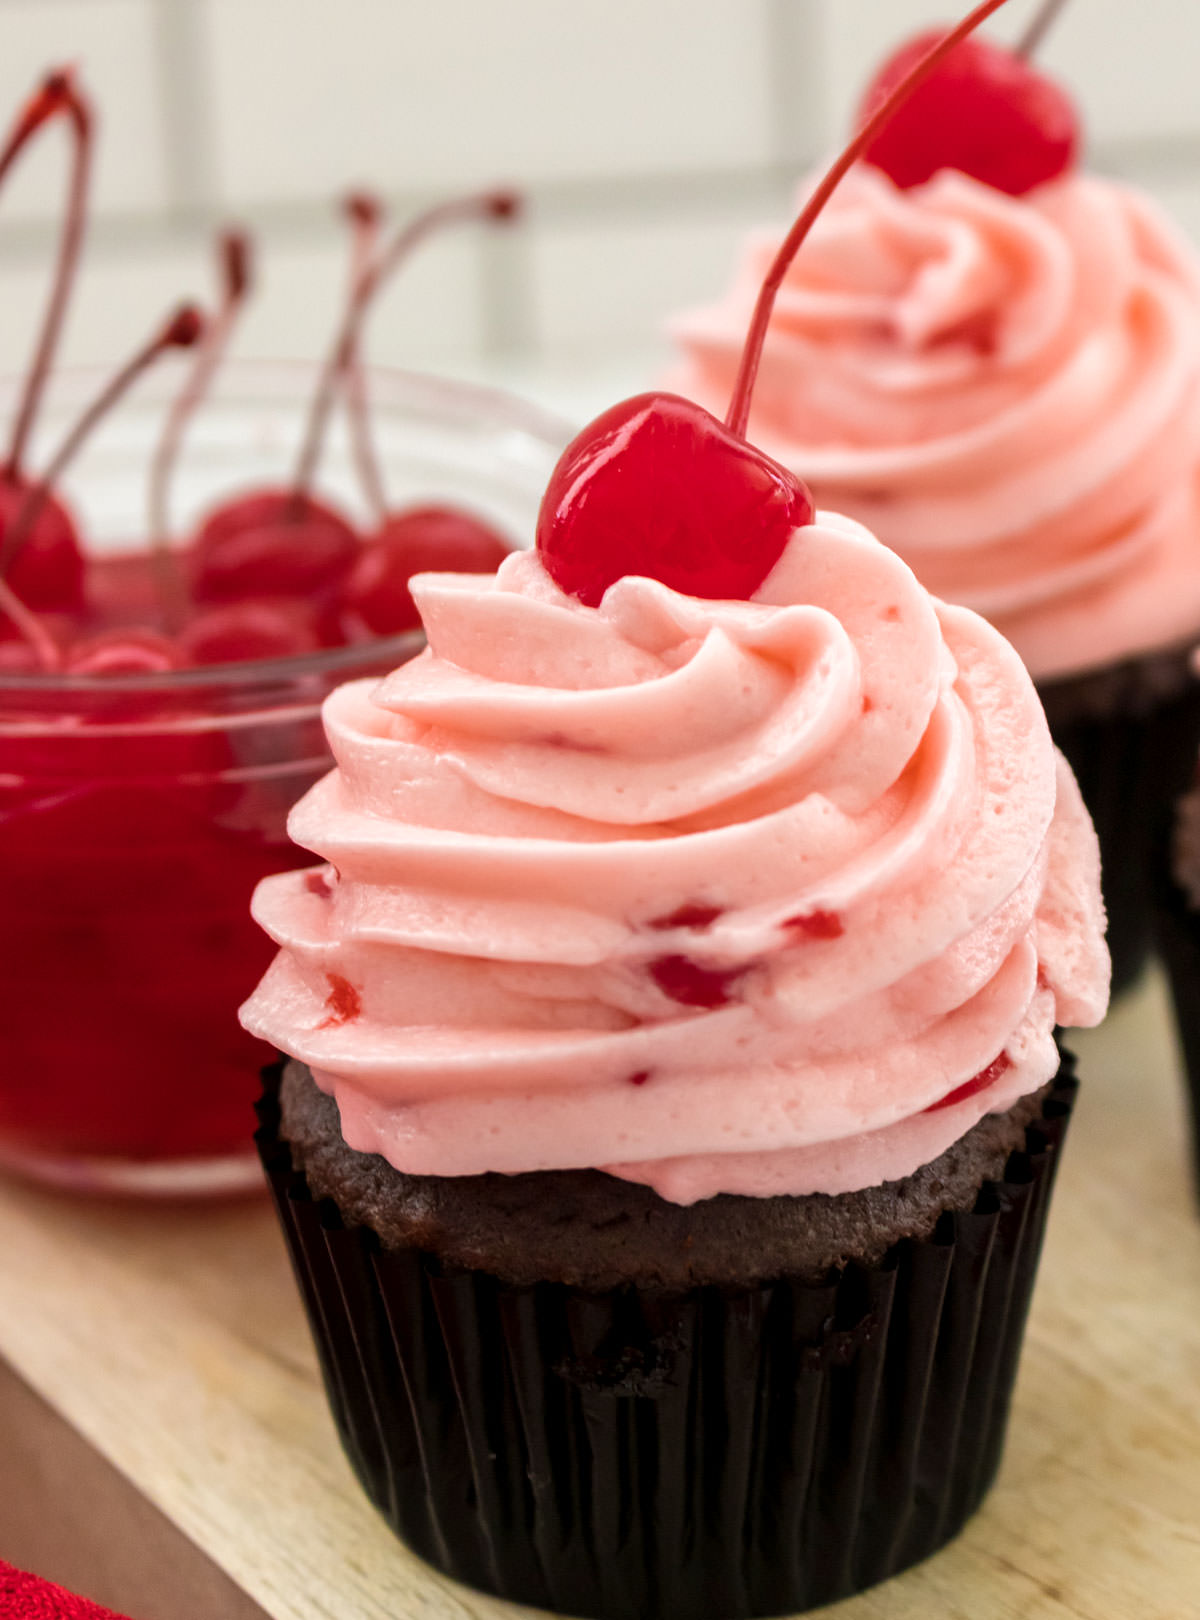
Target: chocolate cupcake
{"points": [[676, 1103], [559, 1387], [698, 913], [1178, 925], [998, 372]]}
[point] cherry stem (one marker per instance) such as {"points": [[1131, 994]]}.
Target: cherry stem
{"points": [[30, 626], [365, 213], [182, 330], [234, 260], [1041, 25], [485, 205], [743, 388], [57, 94]]}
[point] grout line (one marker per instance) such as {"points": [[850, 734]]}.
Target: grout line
{"points": [[185, 96], [643, 197], [637, 199], [506, 295], [796, 83]]}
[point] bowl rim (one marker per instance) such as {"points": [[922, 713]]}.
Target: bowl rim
{"points": [[450, 397]]}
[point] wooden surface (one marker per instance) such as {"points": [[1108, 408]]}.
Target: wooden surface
{"points": [[66, 1512], [173, 1342]]}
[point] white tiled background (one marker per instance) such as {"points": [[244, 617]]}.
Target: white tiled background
{"points": [[648, 133]]}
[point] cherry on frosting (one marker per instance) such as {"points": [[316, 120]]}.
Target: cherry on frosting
{"points": [[375, 593], [657, 486], [49, 573], [816, 925], [987, 111]]}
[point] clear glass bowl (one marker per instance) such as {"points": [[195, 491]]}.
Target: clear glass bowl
{"points": [[138, 812]]}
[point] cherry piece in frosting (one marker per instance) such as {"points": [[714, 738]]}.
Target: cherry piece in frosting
{"points": [[816, 925], [986, 111], [343, 1001], [657, 487], [979, 1082], [692, 984], [694, 914]]}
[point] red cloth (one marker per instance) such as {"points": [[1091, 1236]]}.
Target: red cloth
{"points": [[24, 1597]]}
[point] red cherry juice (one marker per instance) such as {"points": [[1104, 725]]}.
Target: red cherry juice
{"points": [[136, 816]]}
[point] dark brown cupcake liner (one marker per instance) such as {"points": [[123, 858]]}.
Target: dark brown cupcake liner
{"points": [[1130, 734], [640, 1454], [1177, 926]]}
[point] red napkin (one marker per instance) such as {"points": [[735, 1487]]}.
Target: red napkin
{"points": [[24, 1597]]}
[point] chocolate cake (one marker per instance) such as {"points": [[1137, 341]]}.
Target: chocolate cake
{"points": [[592, 1230]]}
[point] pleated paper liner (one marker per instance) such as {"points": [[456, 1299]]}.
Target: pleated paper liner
{"points": [[1131, 735], [1178, 937], [645, 1455]]}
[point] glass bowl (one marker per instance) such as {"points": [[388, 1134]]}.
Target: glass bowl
{"points": [[137, 813]]}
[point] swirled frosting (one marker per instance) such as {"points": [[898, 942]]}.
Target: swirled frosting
{"points": [[755, 897], [1006, 390]]}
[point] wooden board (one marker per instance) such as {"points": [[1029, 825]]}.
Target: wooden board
{"points": [[173, 1342]]}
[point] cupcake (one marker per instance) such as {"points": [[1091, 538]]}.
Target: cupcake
{"points": [[1178, 929], [672, 1096], [996, 367], [672, 1037]]}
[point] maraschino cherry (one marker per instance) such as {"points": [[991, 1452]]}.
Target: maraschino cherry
{"points": [[48, 574], [658, 487], [235, 277], [225, 632], [182, 329], [286, 542], [987, 112], [374, 598]]}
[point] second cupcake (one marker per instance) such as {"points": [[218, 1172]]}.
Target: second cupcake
{"points": [[996, 367]]}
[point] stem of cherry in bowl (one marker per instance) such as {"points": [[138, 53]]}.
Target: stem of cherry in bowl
{"points": [[160, 691]]}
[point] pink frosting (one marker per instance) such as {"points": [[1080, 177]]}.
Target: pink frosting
{"points": [[1006, 390], [718, 896]]}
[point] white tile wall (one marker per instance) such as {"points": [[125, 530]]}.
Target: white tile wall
{"points": [[1131, 63], [308, 93], [114, 44], [119, 300], [649, 132], [431, 311], [603, 282]]}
